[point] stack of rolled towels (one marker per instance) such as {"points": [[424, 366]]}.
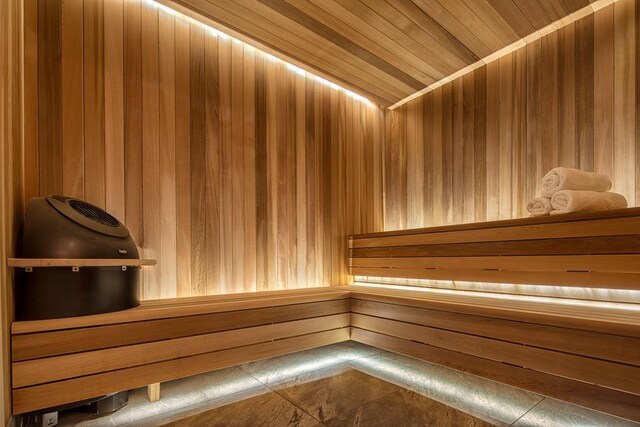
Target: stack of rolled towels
{"points": [[566, 190]]}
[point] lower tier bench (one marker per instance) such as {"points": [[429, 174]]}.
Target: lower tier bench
{"points": [[587, 354], [55, 362], [589, 357]]}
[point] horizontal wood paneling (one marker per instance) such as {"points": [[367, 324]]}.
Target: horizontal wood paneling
{"points": [[613, 375], [583, 394], [525, 251], [47, 395], [482, 143], [57, 368], [38, 345], [601, 318], [170, 340], [587, 365], [609, 347], [227, 166]]}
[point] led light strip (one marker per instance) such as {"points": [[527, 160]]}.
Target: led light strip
{"points": [[222, 35], [554, 26], [623, 307], [516, 290]]}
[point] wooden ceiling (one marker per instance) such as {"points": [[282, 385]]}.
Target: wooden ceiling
{"points": [[384, 50]]}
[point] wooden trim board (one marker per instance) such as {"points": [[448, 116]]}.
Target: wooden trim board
{"points": [[86, 262]]}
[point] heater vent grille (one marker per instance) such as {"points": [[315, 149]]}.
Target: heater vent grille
{"points": [[94, 213]]}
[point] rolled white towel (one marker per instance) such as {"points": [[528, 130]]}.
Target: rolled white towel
{"points": [[540, 206], [573, 179], [568, 201]]}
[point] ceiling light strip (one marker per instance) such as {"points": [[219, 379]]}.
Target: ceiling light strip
{"points": [[171, 8], [554, 26]]}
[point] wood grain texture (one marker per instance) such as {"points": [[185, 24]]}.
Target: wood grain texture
{"points": [[523, 251], [583, 394], [14, 21], [568, 99], [164, 344], [383, 50], [587, 369], [224, 163]]}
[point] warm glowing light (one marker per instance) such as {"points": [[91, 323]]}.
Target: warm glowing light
{"points": [[536, 35], [217, 33], [632, 308], [161, 7], [297, 70], [572, 292]]}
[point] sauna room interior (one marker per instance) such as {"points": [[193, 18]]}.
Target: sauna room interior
{"points": [[320, 213]]}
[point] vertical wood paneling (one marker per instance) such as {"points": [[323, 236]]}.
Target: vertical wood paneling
{"points": [[49, 97], [519, 168], [585, 92], [114, 111], [237, 164], [534, 120], [72, 99], [31, 86], [603, 66], [261, 175], [167, 153], [94, 102], [567, 150], [493, 139], [447, 152], [11, 161], [226, 162], [183, 159], [568, 99], [229, 167], [249, 176], [198, 162], [507, 139], [624, 98], [549, 88], [133, 115], [212, 165], [479, 133], [458, 189], [151, 223]]}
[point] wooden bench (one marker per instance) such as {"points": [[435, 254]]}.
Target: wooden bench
{"points": [[600, 250], [59, 361], [582, 355], [587, 354]]}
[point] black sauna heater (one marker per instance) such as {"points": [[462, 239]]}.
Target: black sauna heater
{"points": [[64, 227]]}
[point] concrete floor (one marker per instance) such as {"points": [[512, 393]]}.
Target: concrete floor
{"points": [[346, 384]]}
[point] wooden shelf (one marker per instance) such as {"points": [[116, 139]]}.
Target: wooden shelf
{"points": [[77, 262]]}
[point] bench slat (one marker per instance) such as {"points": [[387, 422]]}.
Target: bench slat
{"points": [[44, 344], [56, 393], [57, 368]]}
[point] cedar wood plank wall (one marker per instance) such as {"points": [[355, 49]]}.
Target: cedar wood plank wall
{"points": [[229, 168], [10, 177], [266, 183], [476, 148], [559, 100]]}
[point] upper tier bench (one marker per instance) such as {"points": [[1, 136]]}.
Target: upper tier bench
{"points": [[583, 354], [600, 250]]}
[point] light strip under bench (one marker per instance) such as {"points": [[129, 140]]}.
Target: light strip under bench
{"points": [[597, 250]]}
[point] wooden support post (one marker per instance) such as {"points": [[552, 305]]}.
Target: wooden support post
{"points": [[153, 392]]}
